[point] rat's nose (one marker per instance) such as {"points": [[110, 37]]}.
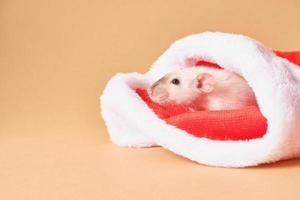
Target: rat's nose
{"points": [[155, 91], [159, 95]]}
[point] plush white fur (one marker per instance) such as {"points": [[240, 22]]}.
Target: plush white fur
{"points": [[274, 80]]}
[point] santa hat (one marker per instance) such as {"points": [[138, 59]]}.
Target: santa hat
{"points": [[236, 138]]}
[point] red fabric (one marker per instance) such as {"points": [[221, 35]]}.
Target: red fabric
{"points": [[292, 56], [242, 124], [239, 124]]}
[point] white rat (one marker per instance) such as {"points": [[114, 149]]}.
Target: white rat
{"points": [[203, 88]]}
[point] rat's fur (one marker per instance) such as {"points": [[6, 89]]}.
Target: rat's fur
{"points": [[203, 88]]}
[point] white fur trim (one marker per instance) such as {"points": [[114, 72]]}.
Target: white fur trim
{"points": [[274, 80]]}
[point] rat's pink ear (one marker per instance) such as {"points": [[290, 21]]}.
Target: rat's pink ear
{"points": [[205, 82]]}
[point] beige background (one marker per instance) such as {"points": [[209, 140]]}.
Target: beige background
{"points": [[55, 58]]}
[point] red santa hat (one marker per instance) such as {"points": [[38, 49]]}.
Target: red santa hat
{"points": [[236, 138]]}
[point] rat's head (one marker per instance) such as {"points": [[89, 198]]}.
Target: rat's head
{"points": [[181, 87]]}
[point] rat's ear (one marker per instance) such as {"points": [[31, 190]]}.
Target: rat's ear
{"points": [[205, 82]]}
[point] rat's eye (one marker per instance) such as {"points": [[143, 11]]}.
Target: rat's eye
{"points": [[175, 81]]}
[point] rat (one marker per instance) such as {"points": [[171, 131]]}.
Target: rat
{"points": [[203, 88]]}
